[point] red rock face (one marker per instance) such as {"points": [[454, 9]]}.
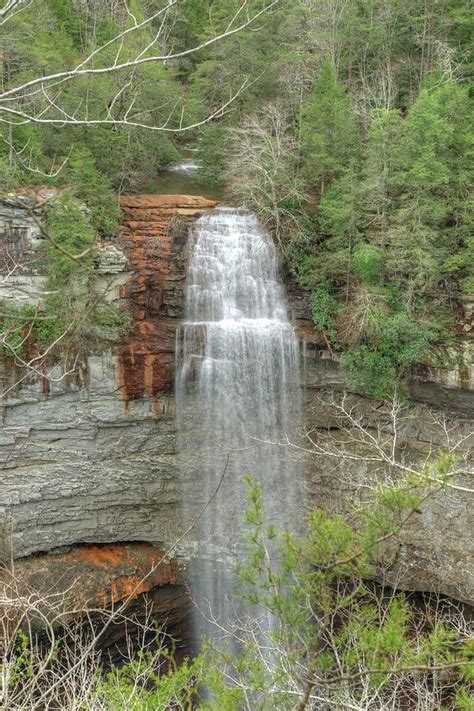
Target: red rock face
{"points": [[100, 575], [108, 576], [153, 236]]}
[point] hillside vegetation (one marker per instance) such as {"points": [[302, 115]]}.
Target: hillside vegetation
{"points": [[349, 134]]}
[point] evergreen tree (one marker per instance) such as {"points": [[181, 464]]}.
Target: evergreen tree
{"points": [[431, 181], [383, 146], [329, 139]]}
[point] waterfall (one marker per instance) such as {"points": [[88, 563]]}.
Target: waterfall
{"points": [[237, 391]]}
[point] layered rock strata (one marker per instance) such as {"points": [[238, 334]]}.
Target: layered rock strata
{"points": [[435, 550], [355, 441], [89, 456], [108, 577], [154, 238]]}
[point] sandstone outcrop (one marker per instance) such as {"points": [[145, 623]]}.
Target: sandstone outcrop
{"points": [[99, 575], [153, 236], [107, 576]]}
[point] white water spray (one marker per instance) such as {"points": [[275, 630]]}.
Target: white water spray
{"points": [[237, 395]]}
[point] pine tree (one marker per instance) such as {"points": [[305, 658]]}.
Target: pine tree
{"points": [[431, 183], [328, 130]]}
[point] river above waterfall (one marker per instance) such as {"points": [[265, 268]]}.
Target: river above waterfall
{"points": [[184, 178]]}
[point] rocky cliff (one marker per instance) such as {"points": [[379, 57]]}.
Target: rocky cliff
{"points": [[90, 457], [356, 443], [353, 440]]}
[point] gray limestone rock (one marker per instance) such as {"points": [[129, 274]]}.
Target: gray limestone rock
{"points": [[80, 466]]}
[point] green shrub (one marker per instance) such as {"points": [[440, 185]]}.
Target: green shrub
{"points": [[15, 329], [108, 316], [380, 369], [371, 370], [72, 315], [367, 263], [212, 149], [325, 308], [467, 286], [69, 225], [94, 188], [161, 689], [9, 176]]}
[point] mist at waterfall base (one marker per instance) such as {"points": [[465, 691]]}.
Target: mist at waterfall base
{"points": [[237, 390]]}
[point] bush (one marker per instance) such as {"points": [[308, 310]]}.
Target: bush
{"points": [[72, 314], [9, 177], [371, 370], [70, 227], [367, 263], [15, 329], [95, 189], [380, 369], [212, 149], [364, 317], [325, 308]]}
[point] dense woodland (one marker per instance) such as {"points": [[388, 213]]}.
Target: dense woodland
{"points": [[346, 126]]}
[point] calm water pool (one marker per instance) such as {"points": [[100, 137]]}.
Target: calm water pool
{"points": [[183, 178]]}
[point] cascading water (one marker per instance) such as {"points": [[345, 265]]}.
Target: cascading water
{"points": [[237, 397]]}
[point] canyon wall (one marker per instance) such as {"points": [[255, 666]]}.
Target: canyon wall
{"points": [[356, 440], [89, 457]]}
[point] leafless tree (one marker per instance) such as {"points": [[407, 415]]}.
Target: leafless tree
{"points": [[43, 637], [374, 433], [17, 329], [40, 100], [59, 665], [62, 665], [261, 169]]}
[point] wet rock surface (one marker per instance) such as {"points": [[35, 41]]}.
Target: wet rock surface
{"points": [[154, 238]]}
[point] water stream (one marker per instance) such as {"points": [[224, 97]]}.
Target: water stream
{"points": [[237, 391], [184, 178]]}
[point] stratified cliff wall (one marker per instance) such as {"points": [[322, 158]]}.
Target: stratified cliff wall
{"points": [[90, 457], [356, 438]]}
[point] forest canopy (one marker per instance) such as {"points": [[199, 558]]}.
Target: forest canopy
{"points": [[344, 124]]}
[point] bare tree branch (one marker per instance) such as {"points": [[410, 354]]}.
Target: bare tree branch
{"points": [[82, 70], [12, 8]]}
